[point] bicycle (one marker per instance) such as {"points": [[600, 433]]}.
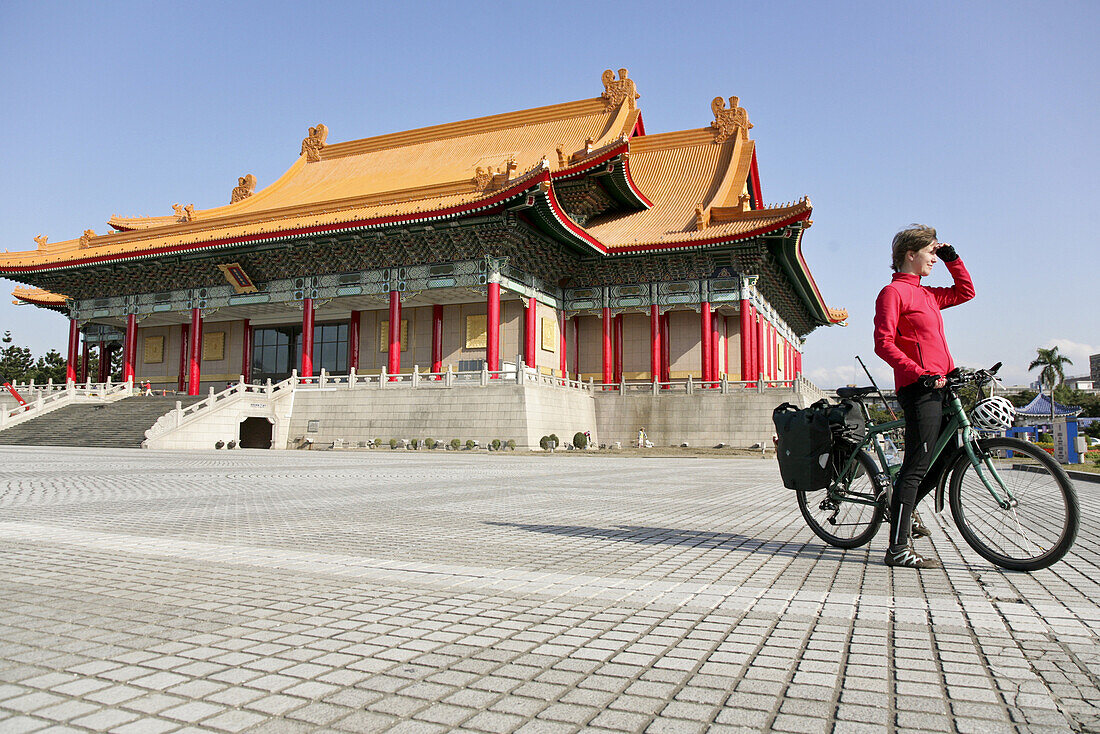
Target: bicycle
{"points": [[1011, 501]]}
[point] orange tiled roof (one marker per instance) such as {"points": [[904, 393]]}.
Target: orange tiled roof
{"points": [[37, 296], [697, 181]]}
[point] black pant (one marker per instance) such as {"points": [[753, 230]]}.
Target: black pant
{"points": [[924, 420]]}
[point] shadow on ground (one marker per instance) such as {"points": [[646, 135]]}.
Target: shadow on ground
{"points": [[644, 535]]}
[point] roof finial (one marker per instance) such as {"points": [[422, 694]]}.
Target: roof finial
{"points": [[41, 240], [245, 186], [727, 123], [617, 92], [314, 143]]}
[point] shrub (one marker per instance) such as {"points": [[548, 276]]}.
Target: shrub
{"points": [[469, 444], [495, 444], [554, 437], [580, 441], [377, 442], [414, 444], [544, 443], [455, 443], [393, 443], [430, 443], [512, 444], [220, 445]]}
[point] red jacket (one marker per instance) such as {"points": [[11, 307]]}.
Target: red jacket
{"points": [[909, 328]]}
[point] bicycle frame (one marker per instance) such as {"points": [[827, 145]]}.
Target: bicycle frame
{"points": [[957, 429]]}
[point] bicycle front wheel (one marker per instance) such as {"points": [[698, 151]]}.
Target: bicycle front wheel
{"points": [[847, 514], [1035, 525]]}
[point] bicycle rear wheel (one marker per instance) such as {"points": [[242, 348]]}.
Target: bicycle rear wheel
{"points": [[1040, 523], [840, 514]]}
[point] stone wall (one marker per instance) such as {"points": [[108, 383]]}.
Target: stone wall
{"points": [[740, 418], [522, 413], [205, 428]]}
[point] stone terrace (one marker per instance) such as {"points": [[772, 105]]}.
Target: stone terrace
{"points": [[249, 591]]}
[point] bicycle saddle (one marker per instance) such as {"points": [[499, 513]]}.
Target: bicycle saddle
{"points": [[853, 392]]}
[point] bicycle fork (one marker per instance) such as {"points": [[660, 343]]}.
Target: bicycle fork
{"points": [[968, 445]]}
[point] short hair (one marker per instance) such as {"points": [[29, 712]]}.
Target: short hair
{"points": [[916, 237]]}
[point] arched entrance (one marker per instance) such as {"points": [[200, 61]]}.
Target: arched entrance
{"points": [[256, 433]]}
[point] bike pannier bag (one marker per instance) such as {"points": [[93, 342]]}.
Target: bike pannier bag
{"points": [[847, 419], [804, 443]]}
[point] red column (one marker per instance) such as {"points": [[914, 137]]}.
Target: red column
{"points": [[104, 362], [437, 337], [607, 367], [246, 351], [746, 340], [715, 345], [195, 353], [353, 343], [307, 338], [666, 350], [576, 347], [393, 366], [129, 348], [772, 371], [654, 343], [761, 346], [181, 381], [704, 342], [74, 351], [492, 325], [530, 327], [84, 360], [562, 358], [617, 337]]}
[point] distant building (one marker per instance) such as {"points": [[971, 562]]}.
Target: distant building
{"points": [[1084, 383], [1094, 367]]}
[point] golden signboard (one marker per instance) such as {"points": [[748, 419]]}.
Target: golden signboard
{"points": [[237, 278], [549, 335], [154, 350], [384, 336], [213, 346], [476, 334]]}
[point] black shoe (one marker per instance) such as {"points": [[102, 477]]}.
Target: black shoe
{"points": [[907, 558], [918, 529]]}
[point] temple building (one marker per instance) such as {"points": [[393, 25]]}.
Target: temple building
{"points": [[563, 238]]}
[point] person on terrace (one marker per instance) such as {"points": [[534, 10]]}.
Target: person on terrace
{"points": [[909, 336]]}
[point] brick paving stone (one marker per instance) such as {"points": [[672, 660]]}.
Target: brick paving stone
{"points": [[533, 594]]}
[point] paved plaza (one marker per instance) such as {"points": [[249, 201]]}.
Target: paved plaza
{"points": [[250, 591]]}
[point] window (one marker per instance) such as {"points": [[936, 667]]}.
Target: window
{"points": [[330, 348]]}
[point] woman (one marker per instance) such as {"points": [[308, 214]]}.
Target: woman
{"points": [[909, 337]]}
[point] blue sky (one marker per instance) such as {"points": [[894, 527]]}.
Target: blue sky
{"points": [[976, 118]]}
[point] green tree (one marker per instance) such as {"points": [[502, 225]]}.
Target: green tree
{"points": [[50, 366], [15, 362], [1052, 371]]}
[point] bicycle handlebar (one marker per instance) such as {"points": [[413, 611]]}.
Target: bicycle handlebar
{"points": [[958, 377]]}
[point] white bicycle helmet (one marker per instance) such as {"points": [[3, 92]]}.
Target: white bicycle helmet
{"points": [[993, 414]]}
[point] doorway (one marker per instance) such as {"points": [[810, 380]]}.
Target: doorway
{"points": [[256, 433]]}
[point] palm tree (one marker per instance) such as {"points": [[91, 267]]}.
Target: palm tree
{"points": [[1052, 373]]}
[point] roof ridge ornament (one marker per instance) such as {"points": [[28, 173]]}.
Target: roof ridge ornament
{"points": [[615, 92], [184, 213], [86, 238], [727, 122], [41, 240], [314, 143], [245, 186], [485, 178]]}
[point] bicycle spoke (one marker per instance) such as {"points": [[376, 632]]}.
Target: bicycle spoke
{"points": [[1032, 531]]}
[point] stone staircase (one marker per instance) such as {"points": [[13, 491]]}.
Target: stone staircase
{"points": [[121, 424]]}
